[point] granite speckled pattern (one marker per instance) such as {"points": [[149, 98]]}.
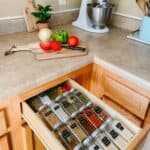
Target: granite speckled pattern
{"points": [[21, 72]]}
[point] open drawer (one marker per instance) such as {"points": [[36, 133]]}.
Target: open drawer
{"points": [[49, 139]]}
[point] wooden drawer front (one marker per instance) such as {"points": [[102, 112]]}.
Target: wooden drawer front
{"points": [[4, 144], [49, 139], [3, 126], [123, 111], [126, 97]]}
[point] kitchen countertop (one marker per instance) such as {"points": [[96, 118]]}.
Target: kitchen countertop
{"points": [[21, 71]]}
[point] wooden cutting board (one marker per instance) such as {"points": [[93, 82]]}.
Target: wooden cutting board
{"points": [[29, 19], [42, 55]]}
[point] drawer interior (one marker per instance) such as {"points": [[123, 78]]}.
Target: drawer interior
{"points": [[51, 140]]}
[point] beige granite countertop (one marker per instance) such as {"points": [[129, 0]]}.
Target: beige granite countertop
{"points": [[20, 72]]}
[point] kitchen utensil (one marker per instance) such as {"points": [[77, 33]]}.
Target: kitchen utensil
{"points": [[97, 17], [34, 48], [14, 49]]}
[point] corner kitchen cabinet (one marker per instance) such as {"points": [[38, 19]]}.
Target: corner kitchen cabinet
{"points": [[50, 140], [15, 134], [22, 129]]}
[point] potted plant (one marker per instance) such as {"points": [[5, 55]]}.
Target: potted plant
{"points": [[43, 15]]}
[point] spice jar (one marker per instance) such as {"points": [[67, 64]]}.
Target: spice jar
{"points": [[82, 97], [76, 130], [68, 108], [100, 113], [52, 120], [55, 92], [69, 140], [85, 124], [61, 114], [92, 117], [35, 103], [75, 101]]}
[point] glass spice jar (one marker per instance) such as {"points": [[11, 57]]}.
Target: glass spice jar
{"points": [[68, 139], [50, 117], [92, 117], [82, 97], [75, 101], [100, 113], [68, 108], [85, 124], [35, 103], [76, 130]]}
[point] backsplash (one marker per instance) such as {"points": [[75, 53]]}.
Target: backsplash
{"points": [[68, 14], [60, 5]]}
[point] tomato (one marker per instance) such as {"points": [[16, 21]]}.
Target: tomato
{"points": [[56, 46], [73, 41], [45, 46]]}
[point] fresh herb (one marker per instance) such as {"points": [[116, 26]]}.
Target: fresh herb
{"points": [[43, 14]]}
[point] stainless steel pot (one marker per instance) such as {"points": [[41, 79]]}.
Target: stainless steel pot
{"points": [[99, 15]]}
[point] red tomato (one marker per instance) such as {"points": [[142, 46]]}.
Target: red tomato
{"points": [[56, 46], [45, 46], [73, 41]]}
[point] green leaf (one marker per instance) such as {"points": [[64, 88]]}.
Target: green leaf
{"points": [[43, 14], [40, 7], [36, 14]]}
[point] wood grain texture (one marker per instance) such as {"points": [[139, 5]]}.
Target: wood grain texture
{"points": [[123, 111], [38, 144], [128, 98], [132, 85], [97, 81], [147, 119], [3, 124], [27, 136], [4, 143]]}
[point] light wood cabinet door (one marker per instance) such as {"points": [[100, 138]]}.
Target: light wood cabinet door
{"points": [[3, 125], [27, 136], [30, 140], [123, 111], [125, 96], [4, 143], [96, 87], [83, 76]]}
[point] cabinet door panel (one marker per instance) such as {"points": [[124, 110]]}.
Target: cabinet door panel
{"points": [[97, 81], [126, 97], [4, 144], [27, 136], [3, 126], [123, 111]]}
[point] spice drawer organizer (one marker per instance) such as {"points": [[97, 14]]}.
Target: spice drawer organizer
{"points": [[49, 139]]}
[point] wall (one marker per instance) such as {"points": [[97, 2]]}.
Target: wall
{"points": [[129, 7], [11, 8], [15, 7]]}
